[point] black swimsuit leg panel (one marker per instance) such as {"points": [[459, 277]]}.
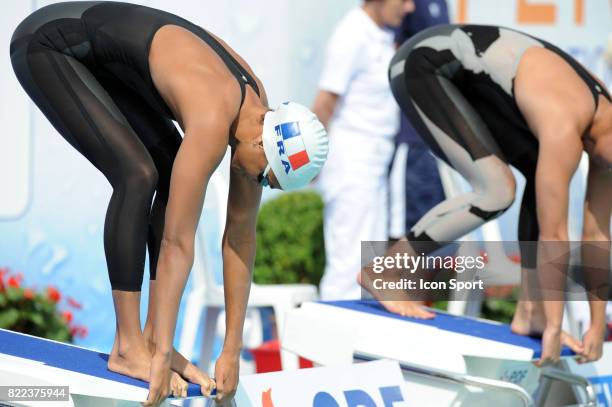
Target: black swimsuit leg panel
{"points": [[456, 132], [83, 113], [162, 140]]}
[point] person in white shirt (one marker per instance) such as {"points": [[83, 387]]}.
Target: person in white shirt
{"points": [[356, 106]]}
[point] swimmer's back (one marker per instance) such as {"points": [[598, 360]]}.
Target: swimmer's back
{"points": [[113, 38], [482, 62]]}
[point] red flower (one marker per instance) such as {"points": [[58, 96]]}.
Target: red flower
{"points": [[515, 258], [3, 271], [28, 294], [67, 315], [53, 294], [499, 291], [73, 303], [83, 331], [13, 281], [78, 330], [485, 256]]}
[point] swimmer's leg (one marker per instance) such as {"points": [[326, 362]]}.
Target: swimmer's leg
{"points": [[529, 318], [457, 134], [162, 140], [455, 131], [81, 110]]}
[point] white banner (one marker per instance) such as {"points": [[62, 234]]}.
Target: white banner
{"points": [[372, 384]]}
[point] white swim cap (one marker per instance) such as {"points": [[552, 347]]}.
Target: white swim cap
{"points": [[295, 144]]}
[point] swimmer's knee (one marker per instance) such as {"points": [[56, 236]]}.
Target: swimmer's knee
{"points": [[142, 178], [505, 188], [505, 195], [487, 215], [498, 195]]}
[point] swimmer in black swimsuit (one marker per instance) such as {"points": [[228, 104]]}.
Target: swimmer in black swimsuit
{"points": [[486, 98], [112, 77]]}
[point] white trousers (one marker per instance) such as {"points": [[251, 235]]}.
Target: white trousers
{"points": [[354, 186]]}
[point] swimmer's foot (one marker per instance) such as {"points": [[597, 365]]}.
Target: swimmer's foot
{"points": [[529, 320], [135, 361], [401, 304], [181, 367], [413, 309], [132, 361]]}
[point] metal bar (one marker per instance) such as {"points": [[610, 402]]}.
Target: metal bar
{"points": [[574, 380], [458, 378]]}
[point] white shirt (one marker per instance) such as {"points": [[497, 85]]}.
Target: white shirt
{"points": [[356, 63]]}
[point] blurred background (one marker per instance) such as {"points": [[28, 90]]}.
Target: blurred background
{"points": [[53, 201]]}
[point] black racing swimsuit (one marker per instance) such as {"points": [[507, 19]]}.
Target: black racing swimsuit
{"points": [[456, 85], [85, 65]]}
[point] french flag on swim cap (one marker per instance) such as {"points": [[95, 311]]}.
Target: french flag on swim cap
{"points": [[293, 144]]}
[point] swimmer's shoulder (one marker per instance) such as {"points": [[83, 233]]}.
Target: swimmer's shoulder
{"points": [[191, 77], [550, 93], [246, 66]]}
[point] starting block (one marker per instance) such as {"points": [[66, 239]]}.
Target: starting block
{"points": [[329, 333], [31, 361], [450, 358]]}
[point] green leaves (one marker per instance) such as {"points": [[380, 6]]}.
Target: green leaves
{"points": [[8, 318], [501, 309], [14, 294], [23, 310], [290, 246], [36, 319]]}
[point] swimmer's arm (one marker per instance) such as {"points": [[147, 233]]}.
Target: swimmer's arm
{"points": [[201, 151], [598, 205], [558, 121], [558, 158], [238, 244], [596, 228], [325, 105], [238, 255]]}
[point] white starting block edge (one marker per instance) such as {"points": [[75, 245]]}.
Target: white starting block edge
{"points": [[30, 360], [330, 333], [434, 378], [23, 372], [429, 384]]}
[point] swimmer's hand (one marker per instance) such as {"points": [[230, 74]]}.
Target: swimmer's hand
{"points": [[226, 375], [593, 344], [159, 384], [195, 375]]}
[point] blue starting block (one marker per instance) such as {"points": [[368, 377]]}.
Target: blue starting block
{"points": [[330, 332], [473, 327], [29, 360]]}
